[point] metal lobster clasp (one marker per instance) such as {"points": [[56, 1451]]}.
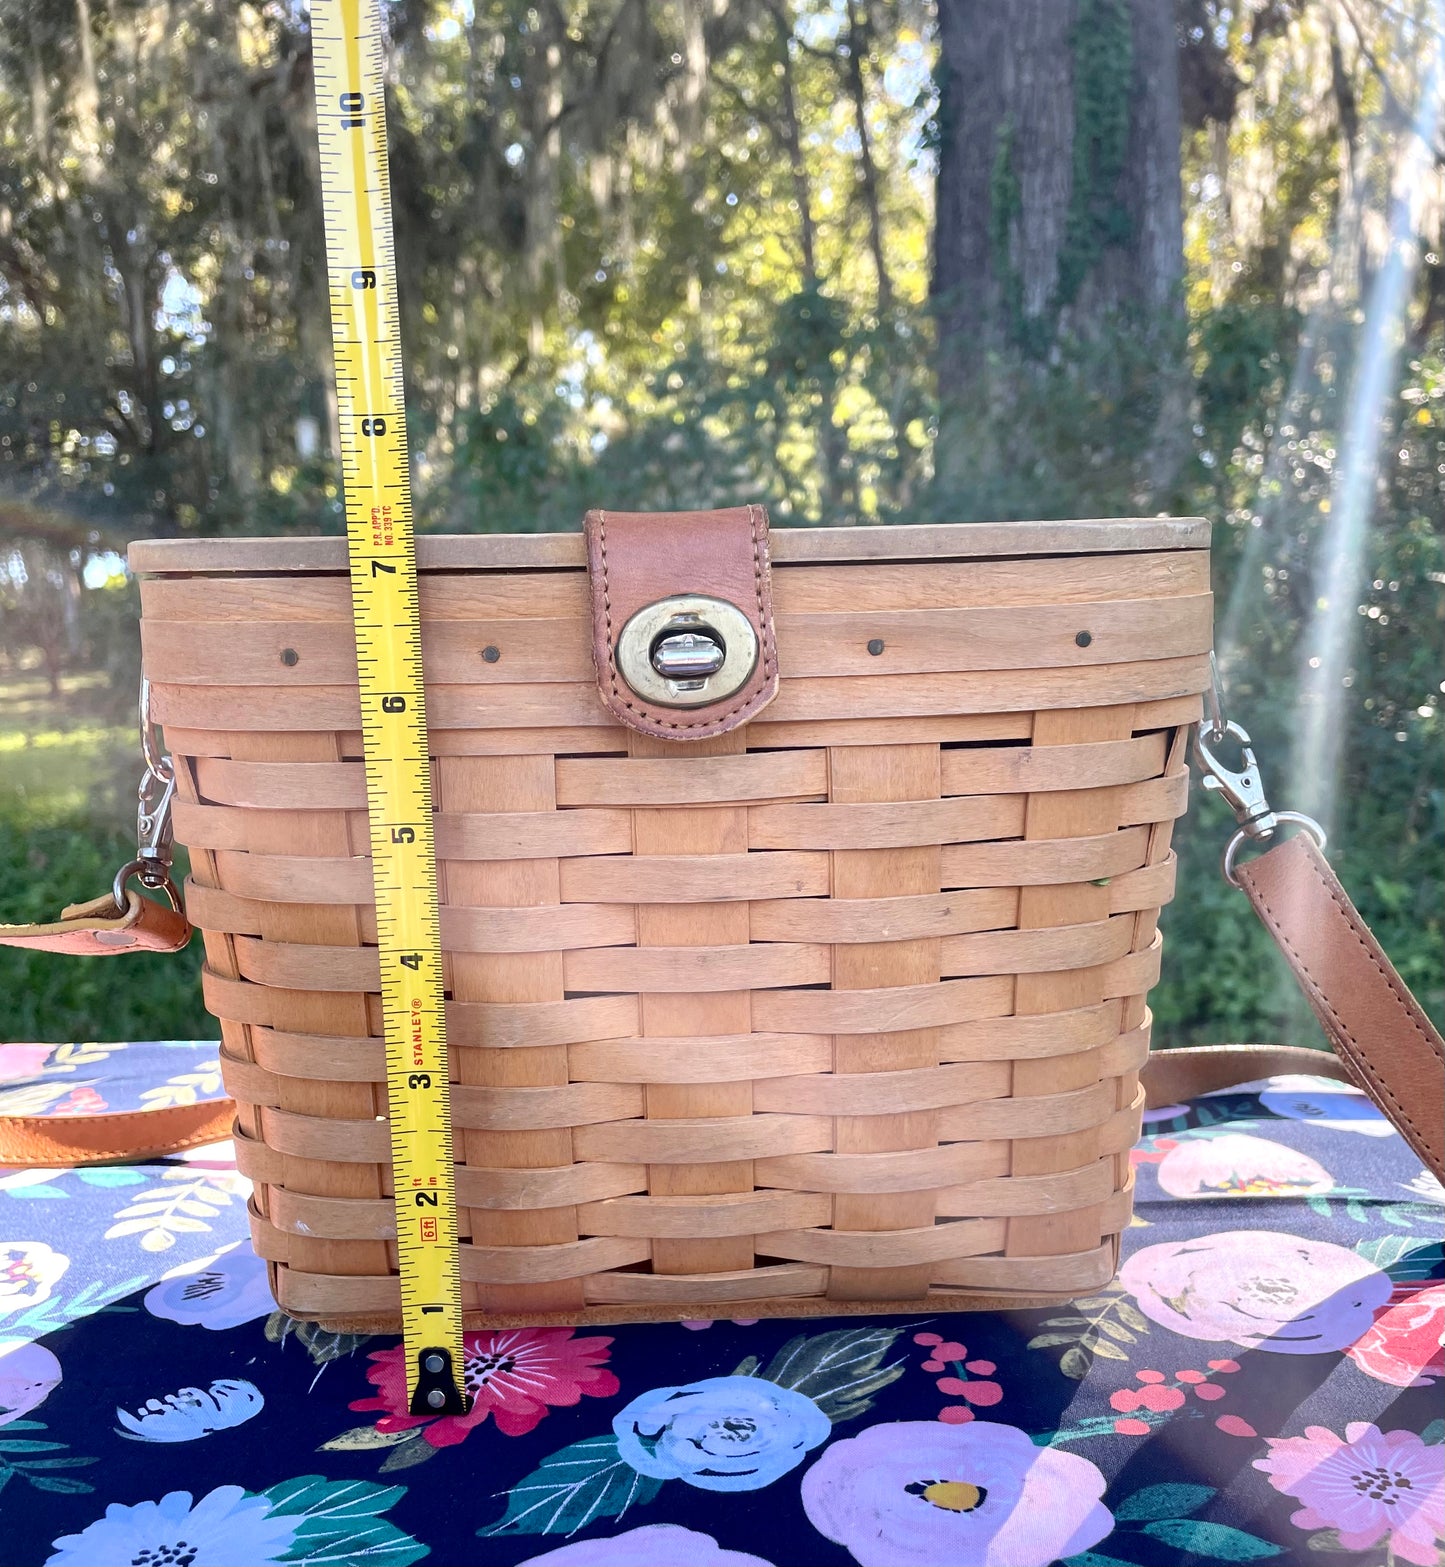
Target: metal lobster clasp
{"points": [[1241, 786], [154, 797]]}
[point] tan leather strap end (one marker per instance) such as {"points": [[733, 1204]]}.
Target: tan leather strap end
{"points": [[1388, 1045], [98, 930], [51, 1142], [1172, 1076], [688, 579]]}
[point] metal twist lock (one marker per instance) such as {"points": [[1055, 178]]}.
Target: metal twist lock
{"points": [[687, 651]]}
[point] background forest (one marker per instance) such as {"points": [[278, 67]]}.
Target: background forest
{"points": [[867, 262]]}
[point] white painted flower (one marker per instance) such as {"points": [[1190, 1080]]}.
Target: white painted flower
{"points": [[29, 1270], [1426, 1188], [18, 1180], [29, 1374], [218, 1292], [193, 1412], [226, 1528], [1325, 1102]]}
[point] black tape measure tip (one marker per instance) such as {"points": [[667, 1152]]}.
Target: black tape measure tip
{"points": [[435, 1389]]}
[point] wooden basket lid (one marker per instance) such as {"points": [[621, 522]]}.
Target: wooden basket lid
{"points": [[789, 546]]}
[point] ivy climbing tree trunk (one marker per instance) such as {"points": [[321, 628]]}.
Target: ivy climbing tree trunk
{"points": [[1059, 224]]}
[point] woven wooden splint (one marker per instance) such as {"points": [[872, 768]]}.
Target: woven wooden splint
{"points": [[841, 1009]]}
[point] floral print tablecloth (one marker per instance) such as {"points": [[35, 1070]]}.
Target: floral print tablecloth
{"points": [[1262, 1383]]}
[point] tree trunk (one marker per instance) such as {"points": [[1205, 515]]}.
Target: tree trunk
{"points": [[1058, 204], [867, 172]]}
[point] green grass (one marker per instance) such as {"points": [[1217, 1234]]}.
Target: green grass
{"points": [[67, 823]]}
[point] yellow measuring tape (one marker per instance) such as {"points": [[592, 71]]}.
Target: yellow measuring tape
{"points": [[348, 52]]}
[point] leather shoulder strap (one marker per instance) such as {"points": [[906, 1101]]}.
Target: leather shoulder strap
{"points": [[98, 929], [1388, 1046], [57, 1141]]}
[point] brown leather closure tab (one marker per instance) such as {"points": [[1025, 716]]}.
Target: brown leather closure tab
{"points": [[682, 618], [97, 929]]}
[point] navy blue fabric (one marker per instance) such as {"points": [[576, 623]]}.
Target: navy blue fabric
{"points": [[1260, 1384]]}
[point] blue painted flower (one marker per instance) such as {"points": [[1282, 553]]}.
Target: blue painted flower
{"points": [[720, 1434], [226, 1528]]}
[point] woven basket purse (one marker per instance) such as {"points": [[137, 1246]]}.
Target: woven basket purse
{"points": [[799, 912]]}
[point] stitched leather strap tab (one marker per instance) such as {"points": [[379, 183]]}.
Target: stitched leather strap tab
{"points": [[1388, 1045], [50, 1142], [639, 559], [98, 930]]}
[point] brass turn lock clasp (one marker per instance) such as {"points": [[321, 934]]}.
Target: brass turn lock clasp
{"points": [[687, 651]]}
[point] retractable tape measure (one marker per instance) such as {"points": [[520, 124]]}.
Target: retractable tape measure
{"points": [[348, 52]]}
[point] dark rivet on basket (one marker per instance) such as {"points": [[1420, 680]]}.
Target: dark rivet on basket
{"points": [[290, 656], [1084, 638], [490, 655], [875, 647]]}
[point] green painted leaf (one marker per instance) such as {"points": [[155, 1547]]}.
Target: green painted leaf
{"points": [[363, 1438], [1052, 1340], [1433, 1434], [10, 1445], [316, 1497], [748, 1367], [1215, 1542], [1325, 1540], [1108, 1351], [321, 1344], [1093, 1559], [573, 1488], [1093, 1302], [1163, 1501], [371, 1542], [839, 1370], [1317, 1204], [1075, 1363], [1114, 1330], [1384, 1250], [59, 1484], [1064, 1322], [337, 1523], [407, 1456], [1128, 1312]]}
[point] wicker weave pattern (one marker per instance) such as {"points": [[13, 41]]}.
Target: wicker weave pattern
{"points": [[846, 1006]]}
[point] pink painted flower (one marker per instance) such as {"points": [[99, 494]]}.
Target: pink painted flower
{"points": [[80, 1101], [1406, 1343], [513, 1375], [1132, 1427], [1239, 1166], [1257, 1288], [1370, 1486], [654, 1545], [20, 1062], [914, 1493], [1160, 1399]]}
